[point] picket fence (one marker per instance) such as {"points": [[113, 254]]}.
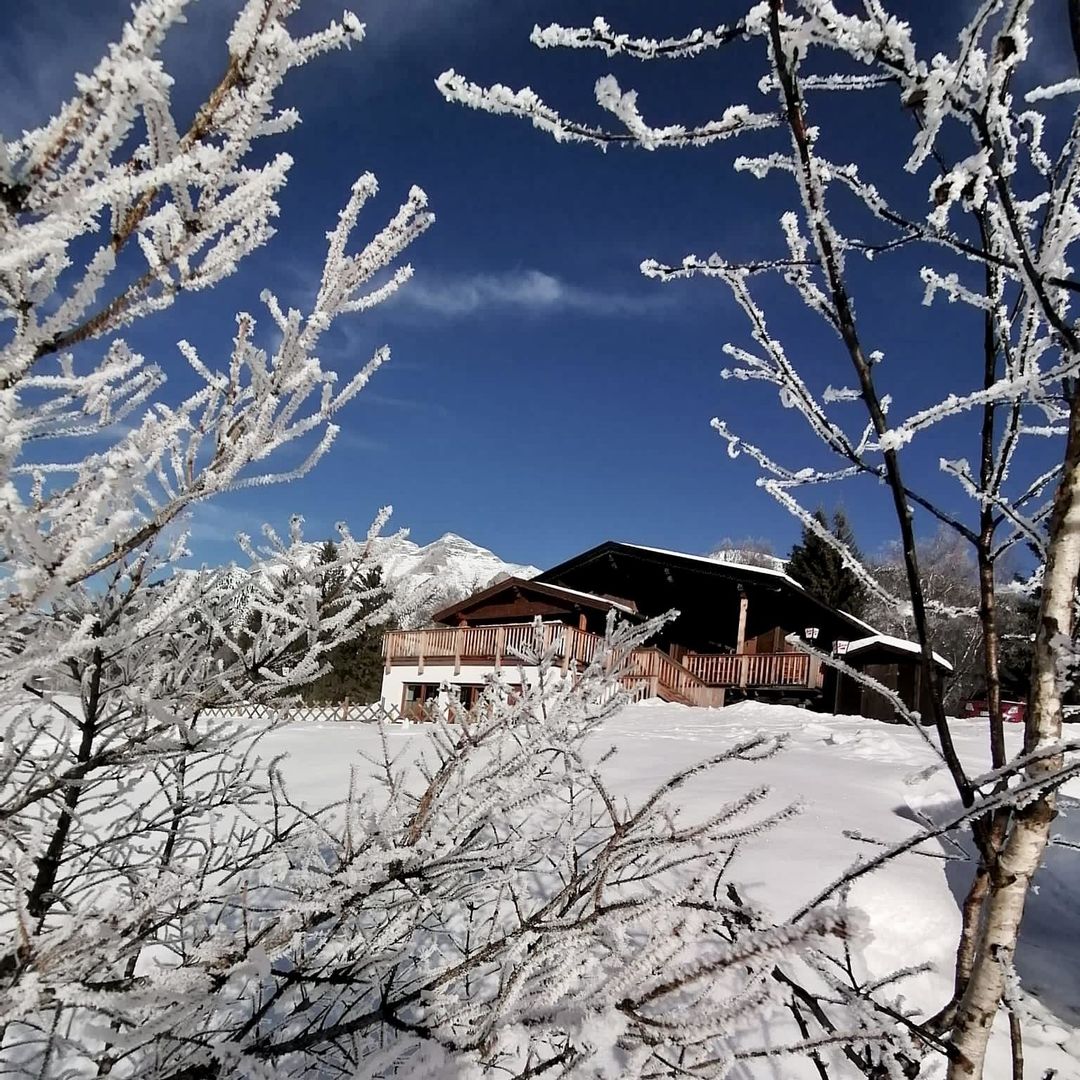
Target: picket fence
{"points": [[312, 714]]}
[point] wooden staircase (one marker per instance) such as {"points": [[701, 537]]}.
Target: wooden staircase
{"points": [[655, 674]]}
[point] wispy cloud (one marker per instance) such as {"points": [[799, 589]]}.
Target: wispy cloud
{"points": [[527, 290]]}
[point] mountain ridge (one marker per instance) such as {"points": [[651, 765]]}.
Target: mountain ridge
{"points": [[427, 577]]}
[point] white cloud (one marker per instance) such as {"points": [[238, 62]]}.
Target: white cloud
{"points": [[524, 290]]}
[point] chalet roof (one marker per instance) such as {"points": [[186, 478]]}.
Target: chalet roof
{"points": [[742, 567], [600, 603], [579, 570], [751, 569], [887, 641]]}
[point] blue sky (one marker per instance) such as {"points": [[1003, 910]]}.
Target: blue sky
{"points": [[542, 395]]}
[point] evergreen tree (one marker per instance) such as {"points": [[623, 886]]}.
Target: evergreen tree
{"points": [[356, 665], [817, 566]]}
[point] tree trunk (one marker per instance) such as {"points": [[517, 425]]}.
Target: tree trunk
{"points": [[1023, 850], [989, 833], [40, 896]]}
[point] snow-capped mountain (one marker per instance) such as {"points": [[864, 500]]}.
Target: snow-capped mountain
{"points": [[430, 576], [423, 578]]}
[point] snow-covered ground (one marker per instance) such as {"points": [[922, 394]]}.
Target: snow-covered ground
{"points": [[848, 774]]}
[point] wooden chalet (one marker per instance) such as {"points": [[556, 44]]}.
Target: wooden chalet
{"points": [[727, 642]]}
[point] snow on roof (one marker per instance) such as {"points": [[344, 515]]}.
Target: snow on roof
{"points": [[716, 562], [591, 596], [894, 643]]}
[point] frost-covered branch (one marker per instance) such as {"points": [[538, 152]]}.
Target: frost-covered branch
{"points": [[601, 36], [214, 441], [489, 893], [527, 105]]}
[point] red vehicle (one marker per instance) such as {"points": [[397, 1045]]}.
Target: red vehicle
{"points": [[1012, 712]]}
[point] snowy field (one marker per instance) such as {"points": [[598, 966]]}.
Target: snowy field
{"points": [[848, 774]]}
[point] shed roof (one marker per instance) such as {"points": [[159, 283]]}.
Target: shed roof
{"points": [[887, 641]]}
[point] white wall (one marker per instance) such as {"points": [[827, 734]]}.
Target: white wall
{"points": [[394, 680]]}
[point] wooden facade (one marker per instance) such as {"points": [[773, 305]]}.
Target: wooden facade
{"points": [[498, 646]]}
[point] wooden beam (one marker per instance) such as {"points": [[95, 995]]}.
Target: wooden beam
{"points": [[522, 609], [740, 635], [740, 640]]}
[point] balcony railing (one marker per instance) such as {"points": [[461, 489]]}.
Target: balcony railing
{"points": [[794, 669], [487, 644], [697, 679]]}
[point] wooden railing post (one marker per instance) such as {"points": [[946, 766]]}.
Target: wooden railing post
{"points": [[744, 669], [458, 633], [500, 646]]}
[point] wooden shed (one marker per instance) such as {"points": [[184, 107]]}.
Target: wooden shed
{"points": [[893, 662]]}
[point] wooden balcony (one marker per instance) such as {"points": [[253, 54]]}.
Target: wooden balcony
{"points": [[493, 645], [696, 679], [756, 670]]}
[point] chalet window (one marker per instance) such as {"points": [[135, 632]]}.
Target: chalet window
{"points": [[469, 694], [419, 699]]}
